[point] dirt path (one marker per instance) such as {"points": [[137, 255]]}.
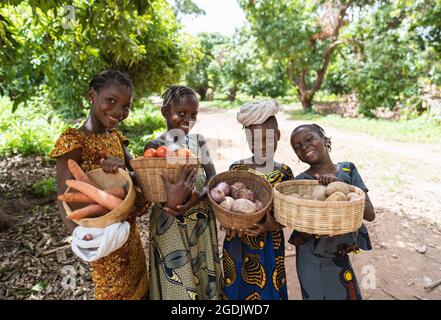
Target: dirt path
{"points": [[405, 187]]}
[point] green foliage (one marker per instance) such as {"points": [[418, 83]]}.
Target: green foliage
{"points": [[199, 76], [30, 130], [45, 187], [61, 50], [424, 129], [144, 121]]}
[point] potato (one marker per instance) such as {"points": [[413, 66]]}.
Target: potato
{"points": [[337, 196], [243, 206], [259, 205], [353, 196], [319, 193], [337, 186], [227, 203]]}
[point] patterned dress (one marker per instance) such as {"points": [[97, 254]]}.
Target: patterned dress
{"points": [[254, 267], [323, 265], [122, 274], [184, 253]]}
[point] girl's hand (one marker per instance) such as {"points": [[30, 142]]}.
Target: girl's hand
{"points": [[179, 192], [111, 165], [270, 224], [232, 232], [325, 179]]}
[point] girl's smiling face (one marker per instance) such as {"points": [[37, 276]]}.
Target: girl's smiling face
{"points": [[309, 146], [111, 104], [182, 115]]}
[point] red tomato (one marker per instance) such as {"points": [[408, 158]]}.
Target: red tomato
{"points": [[184, 153], [162, 152], [150, 153]]}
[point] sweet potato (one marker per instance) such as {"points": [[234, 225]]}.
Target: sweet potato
{"points": [[337, 186], [99, 196], [79, 197], [89, 211], [79, 174]]}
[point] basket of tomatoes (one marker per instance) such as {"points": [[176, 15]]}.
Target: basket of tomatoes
{"points": [[162, 159]]}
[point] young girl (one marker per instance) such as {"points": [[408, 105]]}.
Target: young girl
{"points": [[184, 254], [123, 273], [254, 262], [323, 266]]}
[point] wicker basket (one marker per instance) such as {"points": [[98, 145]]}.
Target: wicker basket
{"points": [[316, 217], [260, 187], [147, 171], [107, 181]]}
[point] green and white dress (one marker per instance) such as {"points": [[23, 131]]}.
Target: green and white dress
{"points": [[184, 253]]}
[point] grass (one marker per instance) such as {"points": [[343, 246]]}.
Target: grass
{"points": [[45, 187], [420, 130], [32, 129]]}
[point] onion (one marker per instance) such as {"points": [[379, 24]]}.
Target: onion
{"points": [[224, 187], [259, 205], [227, 203], [217, 195], [247, 194]]}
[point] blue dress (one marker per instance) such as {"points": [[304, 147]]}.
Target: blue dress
{"points": [[254, 267], [323, 265]]}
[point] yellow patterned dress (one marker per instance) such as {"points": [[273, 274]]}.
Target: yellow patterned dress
{"points": [[184, 253], [121, 275], [254, 267]]}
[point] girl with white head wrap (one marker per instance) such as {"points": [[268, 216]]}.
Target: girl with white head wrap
{"points": [[257, 112]]}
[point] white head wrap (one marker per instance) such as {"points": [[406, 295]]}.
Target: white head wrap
{"points": [[257, 112]]}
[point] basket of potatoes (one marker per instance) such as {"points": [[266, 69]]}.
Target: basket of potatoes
{"points": [[239, 199], [307, 206]]}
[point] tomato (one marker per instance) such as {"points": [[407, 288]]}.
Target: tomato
{"points": [[162, 152], [150, 153], [184, 153]]}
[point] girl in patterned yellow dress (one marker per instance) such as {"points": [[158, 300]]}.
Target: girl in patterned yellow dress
{"points": [[123, 273], [254, 259]]}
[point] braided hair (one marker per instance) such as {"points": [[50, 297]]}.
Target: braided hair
{"points": [[176, 94], [102, 79], [314, 128]]}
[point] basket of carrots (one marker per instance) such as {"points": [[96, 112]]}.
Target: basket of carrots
{"points": [[162, 159], [239, 199], [98, 199]]}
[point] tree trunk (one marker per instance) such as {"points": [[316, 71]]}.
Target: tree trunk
{"points": [[305, 98], [203, 92], [232, 93]]}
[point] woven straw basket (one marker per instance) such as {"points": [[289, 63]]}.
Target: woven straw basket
{"points": [[148, 169], [107, 181], [316, 217], [261, 188]]}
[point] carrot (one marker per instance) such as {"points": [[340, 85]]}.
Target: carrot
{"points": [[117, 192], [79, 174], [91, 210], [99, 196], [79, 197]]}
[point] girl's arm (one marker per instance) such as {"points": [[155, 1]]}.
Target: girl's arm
{"points": [[63, 173], [210, 171], [369, 211]]}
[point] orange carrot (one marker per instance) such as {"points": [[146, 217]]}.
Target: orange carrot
{"points": [[79, 197], [79, 174], [91, 210], [99, 196], [117, 192]]}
